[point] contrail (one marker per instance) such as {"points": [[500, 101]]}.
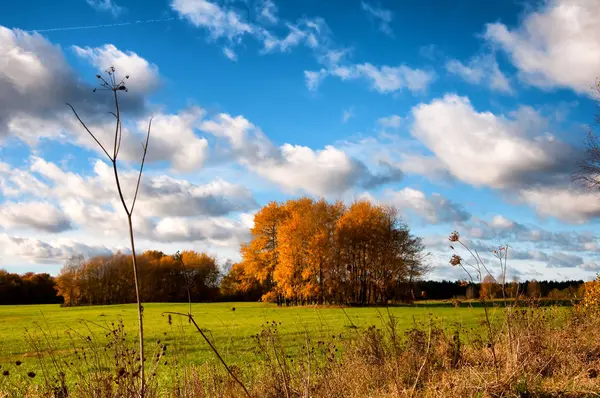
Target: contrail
{"points": [[99, 26]]}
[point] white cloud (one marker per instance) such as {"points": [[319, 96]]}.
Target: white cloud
{"points": [[481, 148], [35, 250], [294, 167], [319, 172], [143, 75], [107, 6], [435, 209], [564, 260], [218, 21], [391, 122], [386, 79], [382, 15], [293, 38], [165, 196], [91, 202], [556, 46], [314, 78], [40, 216], [267, 11], [567, 204], [313, 33], [482, 69], [502, 230], [428, 166], [217, 230], [347, 114], [230, 54], [173, 139], [37, 81], [591, 266]]}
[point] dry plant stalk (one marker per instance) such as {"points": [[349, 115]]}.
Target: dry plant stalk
{"points": [[478, 268], [213, 348], [112, 84]]}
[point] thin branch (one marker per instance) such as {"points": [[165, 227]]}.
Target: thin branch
{"points": [[119, 143], [117, 126], [88, 130], [137, 187], [191, 318]]}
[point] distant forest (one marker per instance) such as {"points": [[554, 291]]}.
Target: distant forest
{"points": [[301, 251], [31, 288]]}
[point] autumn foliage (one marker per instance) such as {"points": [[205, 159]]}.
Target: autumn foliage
{"points": [[305, 251], [163, 278]]}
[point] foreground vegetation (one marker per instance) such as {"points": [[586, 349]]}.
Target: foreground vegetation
{"points": [[303, 351]]}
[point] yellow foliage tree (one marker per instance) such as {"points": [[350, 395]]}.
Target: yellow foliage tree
{"points": [[591, 293]]}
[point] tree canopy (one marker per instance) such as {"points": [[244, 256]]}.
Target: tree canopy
{"points": [[305, 250]]}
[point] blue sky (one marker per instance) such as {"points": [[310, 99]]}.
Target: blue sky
{"points": [[463, 116]]}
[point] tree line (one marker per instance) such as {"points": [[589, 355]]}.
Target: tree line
{"points": [[184, 276], [29, 288], [42, 288]]}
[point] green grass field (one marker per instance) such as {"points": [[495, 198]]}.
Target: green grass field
{"points": [[229, 330]]}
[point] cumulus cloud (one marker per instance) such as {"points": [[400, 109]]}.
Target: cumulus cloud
{"points": [[41, 216], [383, 16], [557, 45], [35, 250], [482, 148], [219, 231], [435, 209], [565, 203], [500, 228], [428, 166], [163, 195], [144, 75], [91, 202], [174, 140], [479, 70], [294, 167], [320, 172], [36, 82]]}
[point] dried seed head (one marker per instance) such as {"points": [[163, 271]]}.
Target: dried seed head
{"points": [[454, 236], [455, 260]]}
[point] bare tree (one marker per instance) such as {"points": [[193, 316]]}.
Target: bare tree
{"points": [[588, 172], [112, 84]]}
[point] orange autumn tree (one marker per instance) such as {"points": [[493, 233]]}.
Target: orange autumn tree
{"points": [[314, 251], [260, 256], [294, 237], [323, 253]]}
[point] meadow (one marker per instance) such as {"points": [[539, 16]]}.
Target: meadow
{"points": [[230, 326], [430, 349]]}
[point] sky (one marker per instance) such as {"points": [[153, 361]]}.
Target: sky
{"points": [[464, 116]]}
